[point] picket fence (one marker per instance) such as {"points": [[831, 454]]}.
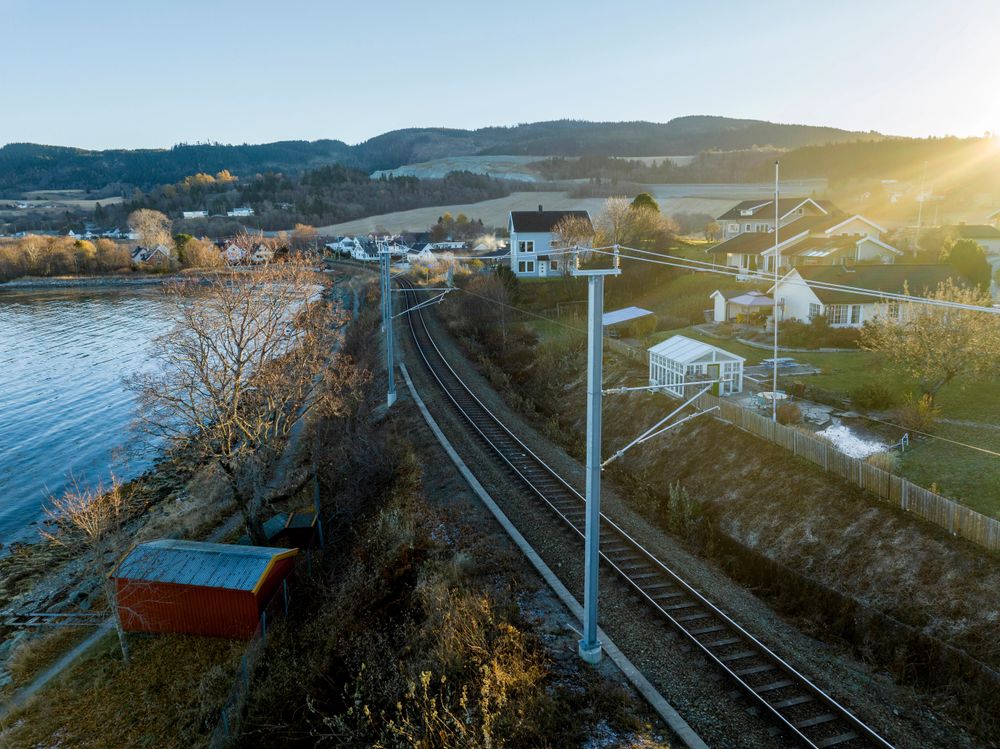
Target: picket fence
{"points": [[890, 488]]}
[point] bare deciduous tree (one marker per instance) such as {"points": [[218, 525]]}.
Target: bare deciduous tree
{"points": [[152, 227], [237, 370], [936, 345], [91, 523]]}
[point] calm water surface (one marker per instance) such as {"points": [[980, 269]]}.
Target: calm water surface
{"points": [[64, 411]]}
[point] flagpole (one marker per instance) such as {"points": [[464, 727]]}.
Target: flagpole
{"points": [[777, 261]]}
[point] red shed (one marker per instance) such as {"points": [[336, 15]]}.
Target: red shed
{"points": [[199, 588]]}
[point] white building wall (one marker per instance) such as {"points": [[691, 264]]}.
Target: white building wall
{"points": [[720, 308], [542, 246], [796, 297]]}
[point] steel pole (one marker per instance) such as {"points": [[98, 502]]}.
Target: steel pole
{"points": [[590, 646], [387, 326]]}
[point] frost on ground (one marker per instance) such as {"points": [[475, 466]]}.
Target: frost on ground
{"points": [[850, 444]]}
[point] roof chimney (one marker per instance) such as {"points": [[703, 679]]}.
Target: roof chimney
{"points": [[539, 207]]}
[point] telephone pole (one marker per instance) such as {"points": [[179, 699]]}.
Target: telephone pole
{"points": [[589, 647]]}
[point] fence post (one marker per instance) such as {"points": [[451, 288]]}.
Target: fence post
{"points": [[284, 588], [246, 672], [263, 623]]}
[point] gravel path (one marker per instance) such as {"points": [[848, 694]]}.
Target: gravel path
{"points": [[699, 693]]}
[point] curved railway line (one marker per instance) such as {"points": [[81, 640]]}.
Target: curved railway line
{"points": [[807, 713]]}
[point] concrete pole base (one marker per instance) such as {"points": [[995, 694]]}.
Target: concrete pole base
{"points": [[590, 654], [390, 400]]}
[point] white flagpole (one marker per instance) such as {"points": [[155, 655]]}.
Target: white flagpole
{"points": [[777, 261]]}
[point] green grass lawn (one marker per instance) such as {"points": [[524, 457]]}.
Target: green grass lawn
{"points": [[967, 475]]}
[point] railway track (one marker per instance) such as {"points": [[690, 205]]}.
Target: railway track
{"points": [[797, 705]]}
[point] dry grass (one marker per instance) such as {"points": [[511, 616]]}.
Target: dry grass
{"points": [[35, 654], [168, 697]]}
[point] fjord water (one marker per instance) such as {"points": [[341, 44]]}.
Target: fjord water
{"points": [[64, 410]]}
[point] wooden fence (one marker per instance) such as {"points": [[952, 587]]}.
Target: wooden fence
{"points": [[890, 488]]}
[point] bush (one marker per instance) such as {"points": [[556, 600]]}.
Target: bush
{"points": [[876, 396], [789, 413], [920, 415], [887, 461]]}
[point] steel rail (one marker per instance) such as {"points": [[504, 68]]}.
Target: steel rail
{"points": [[625, 566]]}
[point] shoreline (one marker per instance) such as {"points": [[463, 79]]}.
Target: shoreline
{"points": [[56, 282]]}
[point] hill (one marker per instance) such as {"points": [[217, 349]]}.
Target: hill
{"points": [[28, 166]]}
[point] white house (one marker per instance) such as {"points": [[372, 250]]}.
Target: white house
{"points": [[532, 234], [144, 255], [240, 212], [263, 254], [194, 214], [802, 295], [234, 254], [757, 216], [680, 360], [827, 238], [728, 303]]}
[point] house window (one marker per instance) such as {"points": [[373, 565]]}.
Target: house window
{"points": [[526, 246], [520, 266], [892, 310], [734, 228], [814, 310], [843, 314], [554, 265], [748, 227], [836, 314]]}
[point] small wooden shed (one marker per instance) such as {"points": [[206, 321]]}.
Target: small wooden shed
{"points": [[199, 588]]}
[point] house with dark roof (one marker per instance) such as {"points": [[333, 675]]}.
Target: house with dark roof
{"points": [[758, 215], [533, 238], [848, 296], [830, 238]]}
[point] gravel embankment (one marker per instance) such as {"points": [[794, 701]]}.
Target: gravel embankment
{"points": [[709, 703]]}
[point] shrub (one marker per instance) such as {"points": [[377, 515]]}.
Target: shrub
{"points": [[789, 413], [919, 415], [887, 461], [876, 396]]}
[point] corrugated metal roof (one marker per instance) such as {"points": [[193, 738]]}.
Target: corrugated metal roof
{"points": [[683, 349], [622, 315], [199, 563]]}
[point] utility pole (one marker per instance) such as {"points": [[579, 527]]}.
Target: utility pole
{"points": [[384, 258], [589, 647], [774, 315]]}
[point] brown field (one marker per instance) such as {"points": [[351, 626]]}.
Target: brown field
{"points": [[494, 212]]}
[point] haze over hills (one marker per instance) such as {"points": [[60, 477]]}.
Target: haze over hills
{"points": [[27, 166]]}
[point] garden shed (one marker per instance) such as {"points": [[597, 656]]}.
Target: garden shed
{"points": [[679, 361], [199, 588]]}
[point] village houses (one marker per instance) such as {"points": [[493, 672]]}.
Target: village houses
{"points": [[810, 232]]}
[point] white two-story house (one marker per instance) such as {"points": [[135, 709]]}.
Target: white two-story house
{"points": [[532, 234]]}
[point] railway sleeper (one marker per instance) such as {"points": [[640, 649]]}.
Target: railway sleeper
{"points": [[834, 740]]}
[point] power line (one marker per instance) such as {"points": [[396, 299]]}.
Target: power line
{"points": [[581, 331], [701, 266]]}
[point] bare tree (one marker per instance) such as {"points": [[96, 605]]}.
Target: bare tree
{"points": [[624, 223], [237, 371], [152, 227], [91, 523], [936, 345], [304, 238]]}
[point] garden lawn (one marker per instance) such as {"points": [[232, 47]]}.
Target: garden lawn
{"points": [[969, 476]]}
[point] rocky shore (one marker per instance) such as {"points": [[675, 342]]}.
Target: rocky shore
{"points": [[73, 282]]}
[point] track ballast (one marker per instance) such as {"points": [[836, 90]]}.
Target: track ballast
{"points": [[810, 715]]}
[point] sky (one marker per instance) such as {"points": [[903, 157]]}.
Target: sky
{"points": [[136, 74]]}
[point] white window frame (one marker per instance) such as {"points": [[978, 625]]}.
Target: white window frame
{"points": [[815, 310], [526, 245]]}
